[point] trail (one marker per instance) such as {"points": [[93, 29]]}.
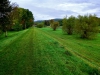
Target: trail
{"points": [[16, 58]]}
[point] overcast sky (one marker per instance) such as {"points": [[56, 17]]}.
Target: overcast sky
{"points": [[48, 9]]}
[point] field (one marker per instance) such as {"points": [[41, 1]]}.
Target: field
{"points": [[45, 52]]}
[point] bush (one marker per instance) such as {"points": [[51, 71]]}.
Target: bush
{"points": [[17, 27], [68, 25], [87, 26], [40, 25], [0, 31], [54, 25], [99, 30]]}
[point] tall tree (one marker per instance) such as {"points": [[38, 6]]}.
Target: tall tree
{"points": [[5, 9], [46, 23], [14, 16], [27, 18]]}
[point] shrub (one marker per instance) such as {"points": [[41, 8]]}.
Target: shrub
{"points": [[17, 27], [55, 25], [87, 26], [40, 25], [68, 25]]}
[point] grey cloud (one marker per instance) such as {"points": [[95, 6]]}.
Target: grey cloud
{"points": [[47, 8]]}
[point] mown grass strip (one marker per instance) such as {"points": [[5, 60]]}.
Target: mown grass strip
{"points": [[12, 36], [16, 58], [54, 60], [87, 49]]}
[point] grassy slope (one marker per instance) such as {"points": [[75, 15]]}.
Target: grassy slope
{"points": [[5, 41], [87, 49], [35, 53], [16, 57]]}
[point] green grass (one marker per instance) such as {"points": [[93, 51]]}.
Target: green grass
{"points": [[87, 49], [5, 41], [40, 52]]}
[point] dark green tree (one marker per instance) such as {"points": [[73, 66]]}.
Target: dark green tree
{"points": [[27, 18], [46, 23], [14, 17], [5, 9]]}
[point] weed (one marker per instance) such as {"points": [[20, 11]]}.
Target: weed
{"points": [[68, 53]]}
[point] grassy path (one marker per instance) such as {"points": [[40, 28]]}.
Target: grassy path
{"points": [[16, 58], [36, 53]]}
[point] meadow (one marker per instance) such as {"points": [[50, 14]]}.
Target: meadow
{"points": [[42, 51]]}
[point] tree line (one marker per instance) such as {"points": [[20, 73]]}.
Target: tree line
{"points": [[12, 17], [86, 26]]}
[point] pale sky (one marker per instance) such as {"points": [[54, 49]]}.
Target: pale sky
{"points": [[48, 9]]}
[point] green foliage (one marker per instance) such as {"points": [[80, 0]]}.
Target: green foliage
{"points": [[99, 30], [68, 25], [21, 16], [17, 27], [87, 26], [26, 18], [5, 9], [40, 25], [1, 32], [64, 23], [60, 22], [46, 23], [54, 24]]}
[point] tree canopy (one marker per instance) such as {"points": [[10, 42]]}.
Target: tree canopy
{"points": [[5, 10]]}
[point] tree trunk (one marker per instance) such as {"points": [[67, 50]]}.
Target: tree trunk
{"points": [[6, 33], [25, 25]]}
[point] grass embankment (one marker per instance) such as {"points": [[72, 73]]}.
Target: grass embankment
{"points": [[12, 36], [34, 52], [16, 56], [86, 49]]}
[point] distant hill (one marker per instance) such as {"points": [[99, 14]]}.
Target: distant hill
{"points": [[39, 21], [56, 19]]}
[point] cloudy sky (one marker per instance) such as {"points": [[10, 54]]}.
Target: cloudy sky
{"points": [[48, 9]]}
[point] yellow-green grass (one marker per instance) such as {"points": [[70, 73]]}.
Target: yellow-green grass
{"points": [[38, 52]]}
